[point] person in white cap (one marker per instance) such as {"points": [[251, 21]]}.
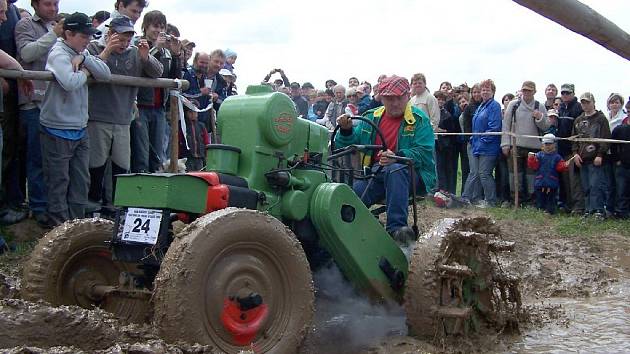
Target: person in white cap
{"points": [[548, 165]]}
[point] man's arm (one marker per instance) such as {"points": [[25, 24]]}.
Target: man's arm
{"points": [[434, 110], [97, 67], [151, 67], [8, 62], [29, 47], [63, 71], [506, 140]]}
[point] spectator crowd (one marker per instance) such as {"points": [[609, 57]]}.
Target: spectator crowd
{"points": [[65, 141]]}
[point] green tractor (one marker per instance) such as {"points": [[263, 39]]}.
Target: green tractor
{"points": [[261, 218]]}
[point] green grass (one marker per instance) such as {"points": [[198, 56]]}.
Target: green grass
{"points": [[564, 225]]}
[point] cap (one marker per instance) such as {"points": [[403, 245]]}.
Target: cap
{"points": [[121, 24], [187, 43], [587, 96], [529, 85], [308, 85], [552, 112], [295, 85], [79, 22], [394, 86], [567, 88], [229, 53], [225, 72], [548, 139]]}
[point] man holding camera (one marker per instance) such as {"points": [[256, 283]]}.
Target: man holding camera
{"points": [[149, 131], [278, 82]]}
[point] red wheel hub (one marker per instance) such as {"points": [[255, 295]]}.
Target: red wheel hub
{"points": [[243, 325]]}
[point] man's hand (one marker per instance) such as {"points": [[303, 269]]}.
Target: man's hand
{"points": [[578, 160], [160, 42], [113, 42], [506, 150], [215, 96], [205, 91], [25, 86], [58, 28], [77, 62], [143, 49], [537, 115], [385, 158], [86, 71], [344, 121], [597, 161], [175, 46]]}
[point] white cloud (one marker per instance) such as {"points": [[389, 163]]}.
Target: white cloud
{"points": [[458, 41]]}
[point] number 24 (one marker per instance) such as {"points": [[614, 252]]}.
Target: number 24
{"points": [[139, 226]]}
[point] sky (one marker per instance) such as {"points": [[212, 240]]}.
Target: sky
{"points": [[447, 40]]}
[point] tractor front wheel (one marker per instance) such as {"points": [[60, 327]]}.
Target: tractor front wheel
{"points": [[236, 279], [71, 262]]}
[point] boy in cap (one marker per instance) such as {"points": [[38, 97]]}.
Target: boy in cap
{"points": [[548, 165], [589, 155], [64, 116], [110, 107], [407, 132], [552, 116]]}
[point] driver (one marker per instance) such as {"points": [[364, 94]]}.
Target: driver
{"points": [[407, 132]]}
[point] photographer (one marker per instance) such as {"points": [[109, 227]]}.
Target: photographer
{"points": [[285, 80], [149, 131]]}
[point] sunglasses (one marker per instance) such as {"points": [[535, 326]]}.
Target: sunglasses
{"points": [[565, 93]]}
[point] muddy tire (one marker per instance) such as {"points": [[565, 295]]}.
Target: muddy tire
{"points": [[227, 255], [72, 258], [455, 285]]}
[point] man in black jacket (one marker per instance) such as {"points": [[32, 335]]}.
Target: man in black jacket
{"points": [[571, 195]]}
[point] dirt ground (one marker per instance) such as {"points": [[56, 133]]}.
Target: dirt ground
{"points": [[571, 268]]}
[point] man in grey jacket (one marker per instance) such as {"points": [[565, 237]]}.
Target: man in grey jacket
{"points": [[108, 126], [63, 119], [524, 116], [34, 36]]}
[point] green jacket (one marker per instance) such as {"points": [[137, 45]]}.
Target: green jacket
{"points": [[415, 140]]}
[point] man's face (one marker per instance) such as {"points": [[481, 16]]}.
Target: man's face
{"points": [[587, 106], [47, 9], [295, 92], [567, 96], [133, 10], [125, 41], [216, 64], [77, 41], [395, 105], [556, 103], [3, 11], [418, 87], [202, 64], [445, 87], [340, 94], [153, 31], [551, 92], [353, 82], [528, 95]]}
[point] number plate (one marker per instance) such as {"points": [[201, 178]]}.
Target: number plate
{"points": [[142, 225]]}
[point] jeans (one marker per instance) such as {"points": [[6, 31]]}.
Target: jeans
{"points": [[622, 178], [147, 134], [593, 184], [481, 167], [610, 185], [571, 188], [502, 177], [525, 174], [34, 172], [67, 175], [392, 183]]}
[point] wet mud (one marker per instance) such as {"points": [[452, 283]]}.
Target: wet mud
{"points": [[574, 292]]}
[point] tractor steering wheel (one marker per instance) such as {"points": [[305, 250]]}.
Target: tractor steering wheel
{"points": [[374, 126]]}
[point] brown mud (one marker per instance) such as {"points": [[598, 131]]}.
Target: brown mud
{"points": [[574, 291]]}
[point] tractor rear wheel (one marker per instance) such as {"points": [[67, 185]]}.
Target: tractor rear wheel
{"points": [[235, 279], [73, 260], [455, 283]]}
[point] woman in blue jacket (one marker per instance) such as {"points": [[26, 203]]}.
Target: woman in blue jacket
{"points": [[483, 150]]}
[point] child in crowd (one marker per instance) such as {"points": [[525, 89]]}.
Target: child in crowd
{"points": [[64, 117], [548, 165], [552, 115], [197, 138]]}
